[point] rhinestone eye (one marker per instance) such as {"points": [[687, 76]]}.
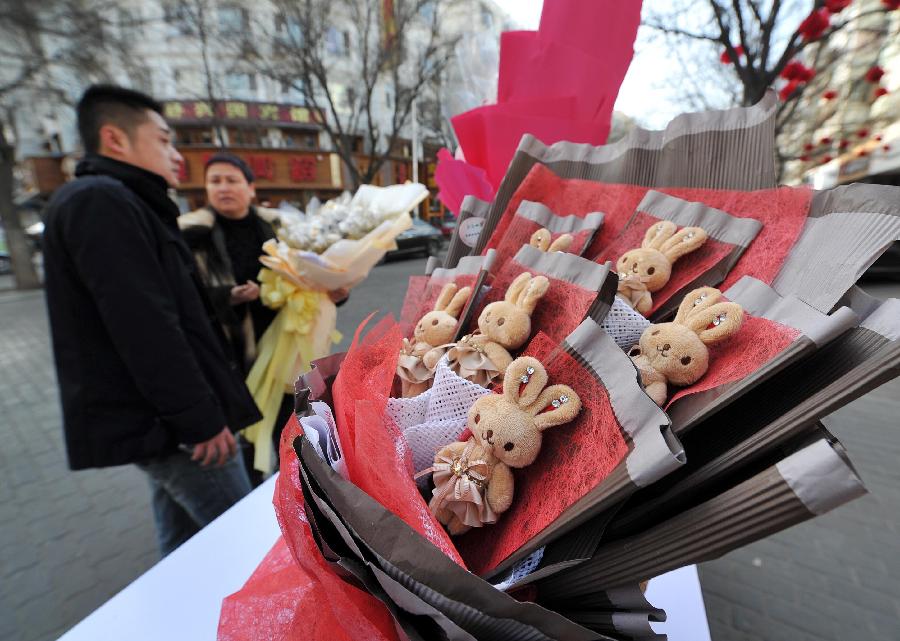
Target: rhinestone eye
{"points": [[718, 320], [564, 398], [529, 370], [556, 402], [525, 378], [688, 236], [659, 229], [700, 299]]}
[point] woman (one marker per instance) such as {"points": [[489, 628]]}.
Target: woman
{"points": [[226, 237]]}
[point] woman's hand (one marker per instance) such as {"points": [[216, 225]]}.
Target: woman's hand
{"points": [[337, 295], [245, 293]]}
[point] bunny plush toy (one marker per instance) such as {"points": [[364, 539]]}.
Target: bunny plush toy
{"points": [[647, 269], [502, 326], [541, 239], [437, 327], [474, 480], [676, 353]]}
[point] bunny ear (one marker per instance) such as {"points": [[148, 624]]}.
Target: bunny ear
{"points": [[523, 381], [684, 242], [716, 322], [445, 297], [514, 291], [540, 239], [658, 234], [459, 301], [695, 301], [562, 243], [556, 405], [533, 293]]}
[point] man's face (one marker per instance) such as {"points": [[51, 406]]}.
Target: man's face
{"points": [[228, 191], [150, 147]]}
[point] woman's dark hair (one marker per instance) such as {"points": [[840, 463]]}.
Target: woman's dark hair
{"points": [[111, 105], [230, 159]]}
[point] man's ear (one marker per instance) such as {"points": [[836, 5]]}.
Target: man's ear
{"points": [[114, 141], [252, 190]]}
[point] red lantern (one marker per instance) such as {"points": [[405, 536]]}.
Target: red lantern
{"points": [[881, 91], [874, 74], [887, 147], [726, 59], [788, 90], [862, 133], [815, 25], [862, 153], [878, 137], [808, 147], [796, 70], [826, 159], [843, 144], [804, 158], [891, 5], [825, 141], [831, 94]]}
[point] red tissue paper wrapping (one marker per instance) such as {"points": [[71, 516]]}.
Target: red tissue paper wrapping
{"points": [[295, 594], [782, 211]]}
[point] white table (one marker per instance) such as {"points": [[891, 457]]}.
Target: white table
{"points": [[180, 597]]}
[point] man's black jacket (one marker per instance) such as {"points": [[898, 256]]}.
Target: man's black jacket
{"points": [[139, 354]]}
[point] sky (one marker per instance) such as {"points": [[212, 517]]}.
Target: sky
{"points": [[642, 97]]}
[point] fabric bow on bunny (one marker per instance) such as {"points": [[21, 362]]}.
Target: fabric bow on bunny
{"points": [[541, 239], [503, 325], [676, 353], [437, 327], [648, 269], [474, 480]]}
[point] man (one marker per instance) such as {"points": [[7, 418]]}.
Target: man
{"points": [[143, 373]]}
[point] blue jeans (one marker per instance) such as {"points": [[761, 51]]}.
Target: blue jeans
{"points": [[187, 497]]}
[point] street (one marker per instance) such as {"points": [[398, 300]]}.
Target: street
{"points": [[69, 541]]}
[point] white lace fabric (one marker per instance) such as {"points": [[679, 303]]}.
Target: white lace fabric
{"points": [[624, 324], [436, 417]]}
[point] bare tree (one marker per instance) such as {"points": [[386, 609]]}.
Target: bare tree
{"points": [[380, 50], [733, 52], [219, 50], [49, 50]]}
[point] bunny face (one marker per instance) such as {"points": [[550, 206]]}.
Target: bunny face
{"points": [[678, 350], [510, 425], [675, 351], [649, 264], [435, 328], [508, 322], [438, 326], [663, 244]]}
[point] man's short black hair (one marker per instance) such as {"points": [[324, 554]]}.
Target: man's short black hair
{"points": [[111, 105], [230, 159]]}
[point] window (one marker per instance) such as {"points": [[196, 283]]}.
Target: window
{"points": [[233, 20], [426, 11], [337, 42], [487, 18], [294, 91], [178, 17], [240, 85], [130, 22], [288, 30]]}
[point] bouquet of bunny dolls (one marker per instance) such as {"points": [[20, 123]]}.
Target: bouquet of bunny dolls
{"points": [[612, 382]]}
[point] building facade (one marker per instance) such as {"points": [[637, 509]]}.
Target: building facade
{"points": [[847, 128], [191, 60]]}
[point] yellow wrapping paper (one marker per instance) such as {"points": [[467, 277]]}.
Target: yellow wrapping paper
{"points": [[296, 283]]}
